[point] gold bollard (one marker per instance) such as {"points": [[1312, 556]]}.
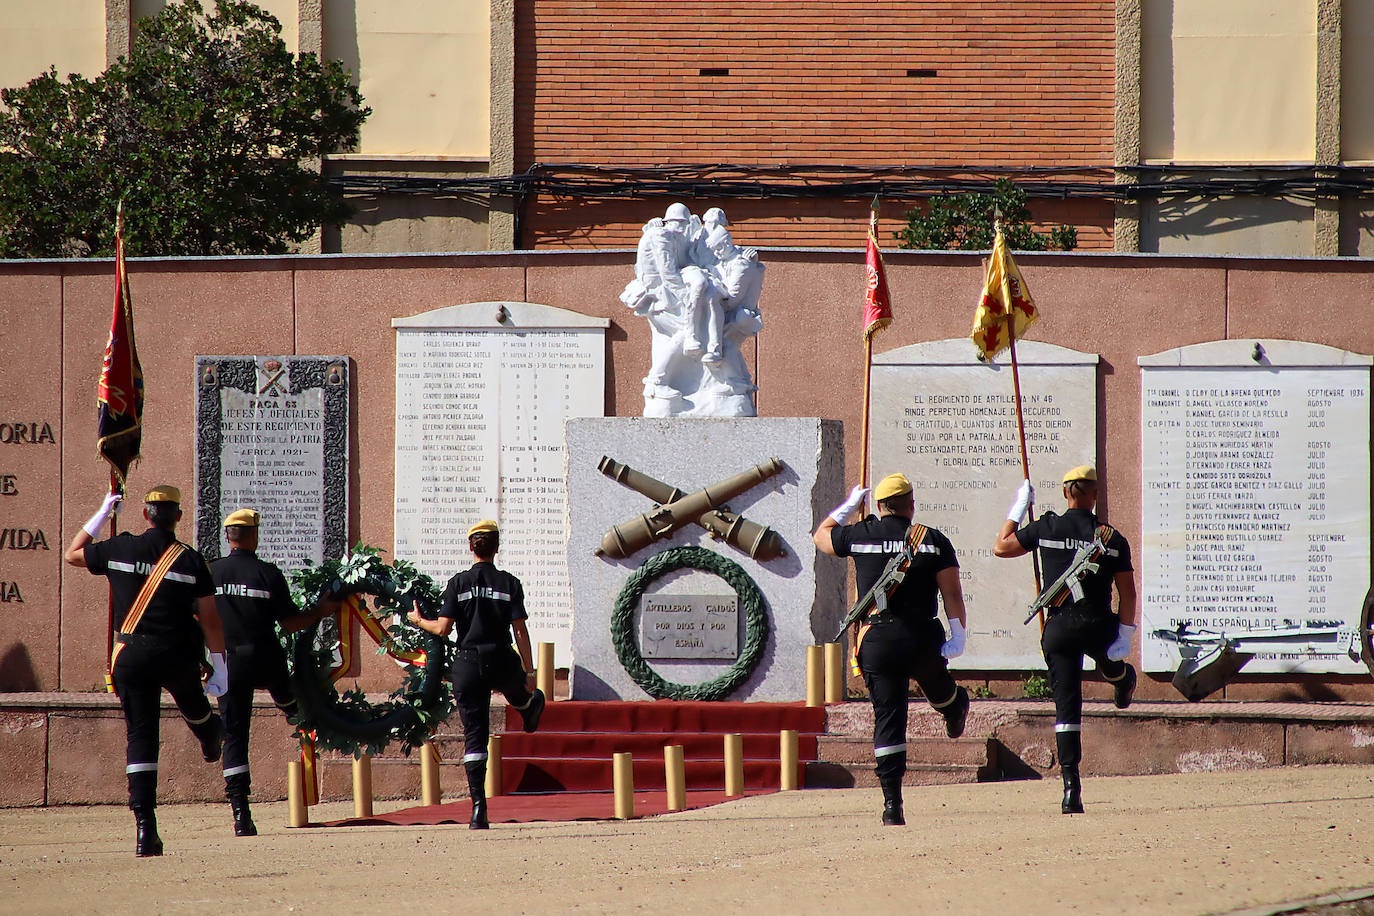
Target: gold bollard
{"points": [[787, 759], [362, 786], [834, 672], [623, 780], [734, 765], [814, 687], [543, 678], [429, 774], [295, 795], [675, 777], [495, 785]]}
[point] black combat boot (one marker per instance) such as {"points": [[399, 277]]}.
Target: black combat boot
{"points": [[1073, 791], [956, 713], [143, 802], [892, 803], [236, 789], [533, 710], [1124, 688], [477, 790]]}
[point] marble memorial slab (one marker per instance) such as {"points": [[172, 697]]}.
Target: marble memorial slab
{"points": [[1255, 493], [272, 435], [482, 392], [802, 589], [948, 422]]}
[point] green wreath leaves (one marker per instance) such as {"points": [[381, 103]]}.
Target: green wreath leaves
{"points": [[349, 722], [627, 603]]}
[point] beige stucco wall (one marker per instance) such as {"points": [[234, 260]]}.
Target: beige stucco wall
{"points": [[1357, 80], [1238, 225], [1228, 80], [424, 68], [67, 34], [284, 10]]}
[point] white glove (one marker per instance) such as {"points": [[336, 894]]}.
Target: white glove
{"points": [[109, 507], [1024, 495], [954, 646], [846, 508], [218, 681], [1121, 646]]}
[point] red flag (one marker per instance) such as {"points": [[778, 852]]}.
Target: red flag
{"points": [[877, 301], [119, 429]]}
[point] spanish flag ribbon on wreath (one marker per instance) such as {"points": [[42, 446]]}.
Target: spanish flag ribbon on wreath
{"points": [[1005, 296]]}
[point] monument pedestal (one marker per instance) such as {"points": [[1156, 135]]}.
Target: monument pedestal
{"points": [[802, 590]]}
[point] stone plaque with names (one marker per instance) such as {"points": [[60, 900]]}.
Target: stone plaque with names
{"points": [[482, 391], [948, 422], [689, 626], [272, 435], [1255, 493]]}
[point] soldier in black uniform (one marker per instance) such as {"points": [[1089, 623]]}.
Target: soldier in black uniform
{"points": [[164, 649], [485, 605], [1077, 627], [907, 640], [252, 596]]}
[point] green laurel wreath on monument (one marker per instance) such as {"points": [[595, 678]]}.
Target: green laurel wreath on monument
{"points": [[349, 722], [750, 600]]}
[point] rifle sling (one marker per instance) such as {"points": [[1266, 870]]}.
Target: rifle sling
{"points": [[914, 536]]}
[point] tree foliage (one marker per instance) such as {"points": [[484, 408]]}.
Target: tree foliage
{"points": [[964, 222], [208, 132]]}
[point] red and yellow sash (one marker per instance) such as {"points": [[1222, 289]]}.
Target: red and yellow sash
{"points": [[145, 595]]}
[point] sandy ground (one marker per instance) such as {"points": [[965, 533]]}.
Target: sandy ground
{"points": [[1195, 843]]}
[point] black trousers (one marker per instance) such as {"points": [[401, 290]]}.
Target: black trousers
{"points": [[143, 669], [475, 674], [250, 668], [1069, 635], [891, 654]]}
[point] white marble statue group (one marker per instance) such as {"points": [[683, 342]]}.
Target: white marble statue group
{"points": [[700, 294]]}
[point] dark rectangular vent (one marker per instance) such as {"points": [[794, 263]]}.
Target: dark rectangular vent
{"points": [[714, 71], [923, 73]]}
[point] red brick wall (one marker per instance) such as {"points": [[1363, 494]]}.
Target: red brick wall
{"points": [[1023, 83]]}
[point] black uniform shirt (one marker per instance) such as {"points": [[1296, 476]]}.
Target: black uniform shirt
{"points": [[874, 541], [1060, 536], [128, 558], [251, 594], [483, 602]]}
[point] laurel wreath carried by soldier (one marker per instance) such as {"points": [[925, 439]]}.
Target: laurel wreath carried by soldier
{"points": [[349, 722]]}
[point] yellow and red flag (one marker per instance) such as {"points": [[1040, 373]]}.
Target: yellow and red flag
{"points": [[1005, 301], [877, 301], [119, 430]]}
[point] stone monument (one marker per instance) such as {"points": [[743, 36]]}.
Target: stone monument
{"points": [[948, 422], [700, 294], [1255, 492], [272, 434], [482, 392], [673, 590]]}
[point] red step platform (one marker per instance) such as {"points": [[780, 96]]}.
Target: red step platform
{"points": [[573, 748]]}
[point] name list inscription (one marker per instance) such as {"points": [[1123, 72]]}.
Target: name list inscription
{"points": [[479, 434], [1255, 504]]}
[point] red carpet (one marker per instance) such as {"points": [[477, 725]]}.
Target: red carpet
{"points": [[526, 809]]}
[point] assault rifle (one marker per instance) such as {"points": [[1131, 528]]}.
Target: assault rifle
{"points": [[874, 601], [1070, 582]]}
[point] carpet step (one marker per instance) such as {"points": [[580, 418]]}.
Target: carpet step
{"points": [[676, 716], [522, 775], [976, 752], [695, 745]]}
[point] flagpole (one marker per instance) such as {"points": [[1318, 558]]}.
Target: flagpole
{"points": [[1025, 462]]}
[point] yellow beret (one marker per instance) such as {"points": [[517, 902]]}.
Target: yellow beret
{"points": [[248, 518], [163, 494], [1082, 472], [485, 525], [891, 485]]}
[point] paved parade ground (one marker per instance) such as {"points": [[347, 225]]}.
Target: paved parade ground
{"points": [[1196, 843]]}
